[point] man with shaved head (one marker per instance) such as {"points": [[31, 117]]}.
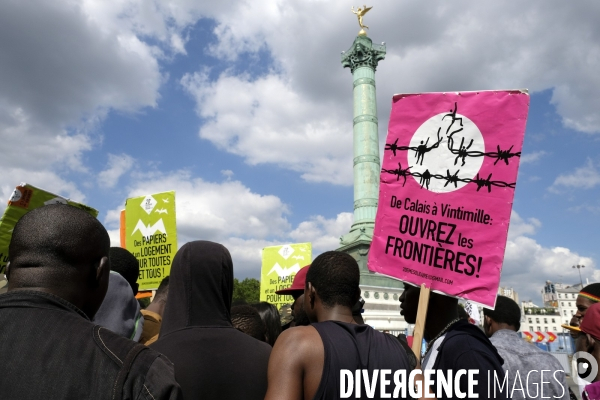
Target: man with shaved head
{"points": [[58, 274]]}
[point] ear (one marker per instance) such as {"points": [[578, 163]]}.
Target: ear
{"points": [[312, 294], [590, 342], [358, 292], [103, 270], [487, 324]]}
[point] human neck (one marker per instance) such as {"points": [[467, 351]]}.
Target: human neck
{"points": [[435, 324], [503, 325], [74, 298], [336, 313], [157, 307]]}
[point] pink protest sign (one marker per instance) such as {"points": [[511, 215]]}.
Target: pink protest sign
{"points": [[447, 186]]}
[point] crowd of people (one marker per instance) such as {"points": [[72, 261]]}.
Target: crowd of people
{"points": [[71, 328]]}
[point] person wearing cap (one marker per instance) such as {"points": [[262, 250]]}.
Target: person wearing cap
{"points": [[587, 296], [588, 340], [299, 317], [523, 361]]}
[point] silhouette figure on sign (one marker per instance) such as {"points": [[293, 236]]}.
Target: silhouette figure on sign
{"points": [[425, 179], [422, 148], [452, 115], [462, 151]]}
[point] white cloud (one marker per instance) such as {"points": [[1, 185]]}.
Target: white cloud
{"points": [[61, 66], [36, 154], [61, 72], [519, 227], [322, 232], [246, 117], [116, 167], [231, 214], [214, 211], [304, 100], [227, 173], [532, 157], [585, 177], [528, 264]]}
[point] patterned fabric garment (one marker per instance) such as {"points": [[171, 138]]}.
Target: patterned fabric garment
{"points": [[521, 358]]}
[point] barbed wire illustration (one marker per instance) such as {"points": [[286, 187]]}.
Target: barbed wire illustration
{"points": [[463, 152], [399, 172], [419, 150], [425, 178]]}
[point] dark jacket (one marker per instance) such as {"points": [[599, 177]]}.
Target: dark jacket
{"points": [[49, 349], [465, 347], [212, 359]]}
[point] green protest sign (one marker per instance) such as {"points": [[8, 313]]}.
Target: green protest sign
{"points": [[279, 267], [151, 235], [24, 199]]}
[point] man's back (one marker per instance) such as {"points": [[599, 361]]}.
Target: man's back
{"points": [[352, 347], [217, 363], [49, 349], [520, 358], [307, 361]]}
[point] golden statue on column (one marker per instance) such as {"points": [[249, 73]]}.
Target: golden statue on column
{"points": [[360, 12]]}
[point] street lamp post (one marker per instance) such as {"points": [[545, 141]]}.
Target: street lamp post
{"points": [[579, 269]]}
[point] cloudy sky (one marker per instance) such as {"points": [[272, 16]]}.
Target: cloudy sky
{"points": [[243, 108]]}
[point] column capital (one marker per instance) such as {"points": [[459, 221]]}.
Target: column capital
{"points": [[363, 53]]}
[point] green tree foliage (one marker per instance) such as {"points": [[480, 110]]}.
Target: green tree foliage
{"points": [[247, 290]]}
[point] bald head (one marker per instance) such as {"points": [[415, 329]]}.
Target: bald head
{"points": [[62, 250]]}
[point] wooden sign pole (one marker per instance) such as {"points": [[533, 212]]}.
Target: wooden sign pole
{"points": [[420, 322]]}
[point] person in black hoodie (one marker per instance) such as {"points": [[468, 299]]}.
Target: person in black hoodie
{"points": [[212, 359], [454, 344]]}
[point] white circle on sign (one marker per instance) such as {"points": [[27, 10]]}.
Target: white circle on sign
{"points": [[16, 195], [447, 151]]}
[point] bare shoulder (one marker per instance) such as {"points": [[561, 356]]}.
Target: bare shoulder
{"points": [[299, 345], [292, 364], [299, 335]]}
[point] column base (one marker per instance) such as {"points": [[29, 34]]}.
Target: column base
{"points": [[360, 231]]}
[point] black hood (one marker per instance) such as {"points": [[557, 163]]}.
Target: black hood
{"points": [[200, 288]]}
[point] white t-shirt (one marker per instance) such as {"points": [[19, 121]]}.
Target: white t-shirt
{"points": [[429, 359]]}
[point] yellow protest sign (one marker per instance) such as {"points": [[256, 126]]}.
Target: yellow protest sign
{"points": [[279, 267], [24, 199], [151, 236]]}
